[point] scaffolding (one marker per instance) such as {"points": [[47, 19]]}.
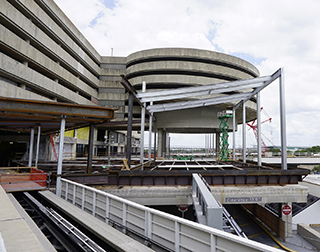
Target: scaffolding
{"points": [[224, 144]]}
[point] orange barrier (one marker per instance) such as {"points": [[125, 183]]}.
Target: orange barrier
{"points": [[23, 180], [39, 176]]}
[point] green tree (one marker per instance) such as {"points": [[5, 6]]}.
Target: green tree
{"points": [[316, 169], [314, 149]]}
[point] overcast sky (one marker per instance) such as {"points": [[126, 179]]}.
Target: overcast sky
{"points": [[268, 33]]}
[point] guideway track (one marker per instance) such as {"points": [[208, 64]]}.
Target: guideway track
{"points": [[62, 234]]}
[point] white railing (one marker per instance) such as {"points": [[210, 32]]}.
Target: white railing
{"points": [[174, 233], [208, 211]]}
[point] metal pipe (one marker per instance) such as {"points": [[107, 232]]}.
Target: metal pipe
{"points": [[234, 134], [129, 129], [217, 143], [31, 147], [283, 122], [258, 129], [90, 148], [143, 114], [109, 152], [155, 141], [60, 155], [150, 135], [38, 144], [244, 133]]}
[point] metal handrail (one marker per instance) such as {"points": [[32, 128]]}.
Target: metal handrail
{"points": [[173, 232]]}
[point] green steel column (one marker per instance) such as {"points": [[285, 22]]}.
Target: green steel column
{"points": [[224, 145]]}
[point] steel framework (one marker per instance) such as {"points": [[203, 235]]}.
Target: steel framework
{"points": [[227, 92]]}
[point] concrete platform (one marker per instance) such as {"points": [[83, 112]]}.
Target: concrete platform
{"points": [[176, 195], [17, 231], [108, 234]]}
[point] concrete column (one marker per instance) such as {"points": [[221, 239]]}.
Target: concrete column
{"points": [[60, 155], [167, 144], [74, 146], [164, 143], [161, 142], [287, 219], [31, 147]]}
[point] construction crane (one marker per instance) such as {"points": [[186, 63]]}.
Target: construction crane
{"points": [[254, 127]]}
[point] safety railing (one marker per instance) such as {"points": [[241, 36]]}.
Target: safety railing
{"points": [[208, 211], [174, 233]]}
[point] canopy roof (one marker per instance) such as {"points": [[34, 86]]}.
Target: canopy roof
{"points": [[21, 115], [206, 95]]}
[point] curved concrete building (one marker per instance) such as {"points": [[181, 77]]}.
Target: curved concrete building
{"points": [[44, 57], [167, 68], [180, 67]]}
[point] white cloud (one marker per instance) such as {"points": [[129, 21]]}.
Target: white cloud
{"points": [[271, 34]]}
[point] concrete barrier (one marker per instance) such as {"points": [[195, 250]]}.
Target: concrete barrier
{"points": [[310, 234], [154, 226]]}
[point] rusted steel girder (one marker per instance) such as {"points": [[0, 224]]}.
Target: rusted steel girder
{"points": [[173, 178]]}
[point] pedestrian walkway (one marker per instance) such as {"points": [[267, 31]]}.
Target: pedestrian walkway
{"points": [[17, 231]]}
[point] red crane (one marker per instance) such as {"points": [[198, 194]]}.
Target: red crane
{"points": [[254, 127]]}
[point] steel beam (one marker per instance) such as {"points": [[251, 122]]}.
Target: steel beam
{"points": [[258, 129], [90, 148], [155, 141], [181, 93], [143, 114], [129, 129], [60, 155], [150, 136], [55, 108], [31, 147], [126, 84], [234, 134], [198, 103], [244, 133], [283, 122], [38, 144]]}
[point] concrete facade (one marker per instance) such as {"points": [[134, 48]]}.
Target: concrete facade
{"points": [[43, 56]]}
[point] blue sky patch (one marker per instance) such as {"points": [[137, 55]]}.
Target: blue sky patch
{"points": [[95, 20], [110, 4]]}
